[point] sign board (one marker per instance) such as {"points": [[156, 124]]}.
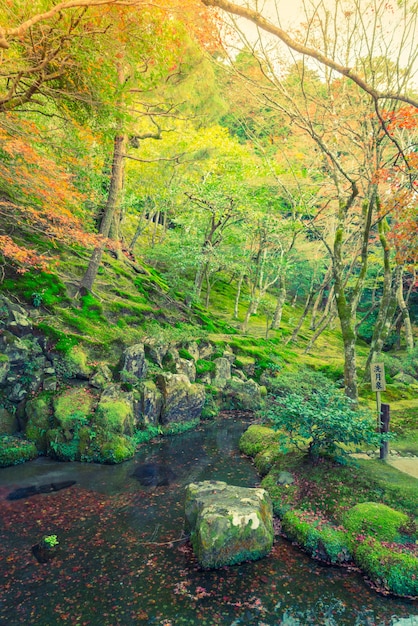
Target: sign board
{"points": [[377, 376]]}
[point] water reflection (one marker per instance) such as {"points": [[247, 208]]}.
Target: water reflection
{"points": [[123, 559]]}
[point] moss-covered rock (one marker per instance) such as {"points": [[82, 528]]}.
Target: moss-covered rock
{"points": [[116, 449], [228, 524], [375, 520], [76, 363], [283, 495], [39, 413], [390, 568], [182, 400], [243, 395], [115, 415], [8, 422], [318, 538], [72, 407], [256, 439], [14, 450]]}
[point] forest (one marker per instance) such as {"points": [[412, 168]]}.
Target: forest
{"points": [[209, 208]]}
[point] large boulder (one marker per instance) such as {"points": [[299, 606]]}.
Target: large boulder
{"points": [[228, 524], [182, 400], [222, 372], [245, 395], [14, 317], [186, 367], [148, 407], [133, 362]]}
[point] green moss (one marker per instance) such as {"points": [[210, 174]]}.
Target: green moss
{"points": [[319, 538], [176, 428], [283, 497], [114, 416], [14, 450], [256, 438], [117, 449], [390, 569], [203, 366], [184, 354], [38, 288], [39, 413], [73, 407], [376, 520]]}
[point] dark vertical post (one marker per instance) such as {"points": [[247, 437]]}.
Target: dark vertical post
{"points": [[384, 428]]}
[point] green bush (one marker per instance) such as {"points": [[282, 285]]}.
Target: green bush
{"points": [[375, 519], [319, 538], [256, 438], [391, 570], [316, 415], [14, 450]]}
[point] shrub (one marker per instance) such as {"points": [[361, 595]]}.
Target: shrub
{"points": [[316, 414], [375, 519], [14, 450]]}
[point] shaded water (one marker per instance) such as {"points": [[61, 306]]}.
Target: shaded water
{"points": [[122, 559]]}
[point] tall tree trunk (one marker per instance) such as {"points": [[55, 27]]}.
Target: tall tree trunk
{"points": [[238, 295], [409, 337], [281, 298], [113, 199], [302, 318], [387, 305], [319, 297]]}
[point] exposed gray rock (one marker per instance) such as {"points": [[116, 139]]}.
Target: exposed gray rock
{"points": [[134, 361], [4, 368], [50, 383], [193, 349], [243, 394], [156, 350], [186, 367], [222, 372], [148, 408], [206, 350], [14, 318], [101, 377], [285, 478], [228, 524], [182, 400]]}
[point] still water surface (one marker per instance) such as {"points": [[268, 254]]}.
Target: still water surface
{"points": [[122, 560]]}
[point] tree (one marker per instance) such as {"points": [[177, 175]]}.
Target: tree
{"points": [[407, 17]]}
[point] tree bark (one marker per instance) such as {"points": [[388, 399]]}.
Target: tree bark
{"points": [[409, 337], [238, 295], [113, 198], [277, 317]]}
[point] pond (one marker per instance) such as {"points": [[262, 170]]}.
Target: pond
{"points": [[123, 559]]}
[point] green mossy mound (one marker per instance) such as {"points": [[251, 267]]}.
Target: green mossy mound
{"points": [[256, 439], [318, 537], [283, 496], [14, 450], [375, 520], [390, 568], [72, 407], [115, 416]]}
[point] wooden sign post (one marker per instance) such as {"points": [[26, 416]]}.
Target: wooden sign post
{"points": [[378, 381]]}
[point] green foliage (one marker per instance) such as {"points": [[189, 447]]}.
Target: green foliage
{"points": [[176, 428], [316, 414], [256, 438], [375, 519], [391, 568], [203, 366], [319, 538], [146, 434], [184, 354], [14, 450], [50, 540]]}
